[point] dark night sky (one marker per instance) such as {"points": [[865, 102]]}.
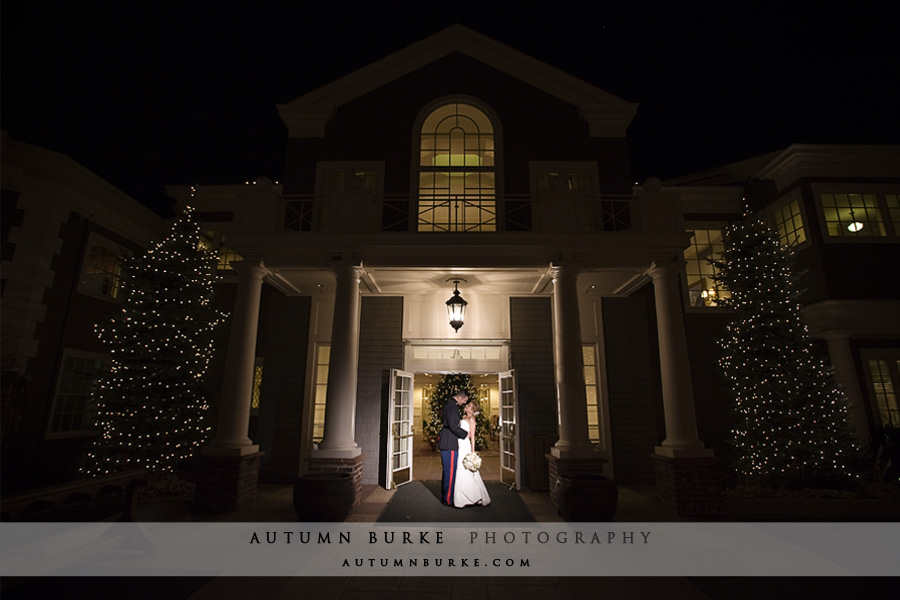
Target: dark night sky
{"points": [[147, 94]]}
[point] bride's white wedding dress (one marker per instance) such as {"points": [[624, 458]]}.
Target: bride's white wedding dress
{"points": [[469, 487]]}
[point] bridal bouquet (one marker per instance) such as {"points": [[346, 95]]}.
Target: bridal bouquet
{"points": [[472, 461]]}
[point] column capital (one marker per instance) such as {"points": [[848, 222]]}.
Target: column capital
{"points": [[350, 269], [251, 268], [660, 270], [558, 271]]}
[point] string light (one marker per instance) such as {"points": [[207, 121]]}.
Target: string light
{"points": [[791, 416], [151, 402]]}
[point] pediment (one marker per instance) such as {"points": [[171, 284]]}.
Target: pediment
{"points": [[607, 115]]}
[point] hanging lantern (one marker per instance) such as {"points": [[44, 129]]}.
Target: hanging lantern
{"points": [[456, 307]]}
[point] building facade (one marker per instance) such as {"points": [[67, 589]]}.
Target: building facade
{"points": [[460, 164], [64, 233]]}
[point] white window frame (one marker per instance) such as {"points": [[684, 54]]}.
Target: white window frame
{"points": [[892, 355], [795, 195], [487, 205], [87, 283], [892, 233], [690, 227], [57, 400]]}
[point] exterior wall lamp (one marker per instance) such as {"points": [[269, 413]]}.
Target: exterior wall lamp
{"points": [[456, 306]]}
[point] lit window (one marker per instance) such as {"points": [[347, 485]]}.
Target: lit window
{"points": [[884, 379], [789, 223], [892, 201], [456, 171], [73, 406], [213, 240], [852, 215], [591, 391], [706, 245], [102, 273], [257, 385], [323, 356]]}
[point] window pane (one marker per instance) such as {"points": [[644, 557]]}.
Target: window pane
{"points": [[456, 181], [852, 215], [885, 392], [706, 245]]}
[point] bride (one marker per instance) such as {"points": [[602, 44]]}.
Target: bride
{"points": [[469, 488]]}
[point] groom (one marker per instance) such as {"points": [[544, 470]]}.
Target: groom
{"points": [[448, 443]]}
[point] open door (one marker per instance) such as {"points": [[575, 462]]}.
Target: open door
{"points": [[400, 435], [509, 431]]}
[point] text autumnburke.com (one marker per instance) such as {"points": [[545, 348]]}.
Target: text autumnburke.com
{"points": [[523, 537]]}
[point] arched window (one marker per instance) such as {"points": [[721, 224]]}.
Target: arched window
{"points": [[456, 170]]}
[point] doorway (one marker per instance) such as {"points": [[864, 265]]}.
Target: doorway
{"points": [[426, 459]]}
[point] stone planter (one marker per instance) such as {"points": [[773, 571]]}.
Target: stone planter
{"points": [[323, 497], [587, 498]]}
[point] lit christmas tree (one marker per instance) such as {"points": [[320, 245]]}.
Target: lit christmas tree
{"points": [[151, 402], [792, 423], [446, 387]]}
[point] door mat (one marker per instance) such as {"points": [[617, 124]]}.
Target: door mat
{"points": [[419, 502]]}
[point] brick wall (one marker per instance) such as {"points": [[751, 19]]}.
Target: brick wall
{"points": [[225, 483], [380, 349], [531, 355], [633, 382], [283, 339], [690, 486], [570, 467]]}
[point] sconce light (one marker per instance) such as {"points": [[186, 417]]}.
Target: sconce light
{"points": [[456, 307]]}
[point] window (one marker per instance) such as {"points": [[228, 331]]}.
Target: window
{"points": [[788, 221], [213, 240], [257, 386], [703, 290], [323, 356], [73, 406], [102, 272], [852, 215], [591, 391], [883, 373], [866, 212], [457, 179]]}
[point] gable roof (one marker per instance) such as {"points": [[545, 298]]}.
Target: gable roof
{"points": [[607, 115]]}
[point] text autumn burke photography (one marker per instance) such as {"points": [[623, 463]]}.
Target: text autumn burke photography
{"points": [[506, 537]]}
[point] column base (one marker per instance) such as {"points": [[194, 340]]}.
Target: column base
{"points": [[567, 467], [226, 483], [690, 485], [351, 465]]}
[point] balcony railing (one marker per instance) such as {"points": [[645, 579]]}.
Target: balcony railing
{"points": [[552, 213]]}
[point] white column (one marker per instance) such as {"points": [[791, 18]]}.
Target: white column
{"points": [[340, 403], [675, 369], [237, 389], [845, 375], [567, 354]]}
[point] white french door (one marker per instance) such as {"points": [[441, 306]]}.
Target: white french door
{"points": [[400, 435], [509, 431]]}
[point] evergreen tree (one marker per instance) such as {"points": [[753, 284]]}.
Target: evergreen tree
{"points": [[150, 404], [448, 385], [791, 418]]}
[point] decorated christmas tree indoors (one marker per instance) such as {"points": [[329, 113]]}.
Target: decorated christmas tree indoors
{"points": [[791, 418], [151, 403], [446, 387]]}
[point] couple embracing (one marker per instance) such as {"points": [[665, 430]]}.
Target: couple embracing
{"points": [[461, 487]]}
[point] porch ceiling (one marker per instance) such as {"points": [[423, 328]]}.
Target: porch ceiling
{"points": [[396, 281]]}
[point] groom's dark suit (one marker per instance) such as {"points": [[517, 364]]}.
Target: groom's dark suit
{"points": [[448, 443]]}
